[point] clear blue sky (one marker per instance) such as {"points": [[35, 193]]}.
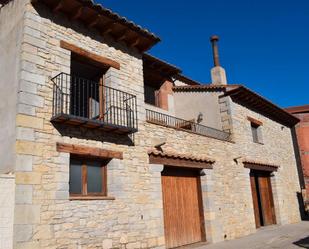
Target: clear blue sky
{"points": [[264, 44]]}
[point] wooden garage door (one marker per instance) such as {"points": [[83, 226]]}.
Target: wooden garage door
{"points": [[182, 204], [262, 196]]}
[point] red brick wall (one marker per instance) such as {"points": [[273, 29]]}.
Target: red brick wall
{"points": [[302, 130]]}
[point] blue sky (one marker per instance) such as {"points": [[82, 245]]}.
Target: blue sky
{"points": [[264, 44]]}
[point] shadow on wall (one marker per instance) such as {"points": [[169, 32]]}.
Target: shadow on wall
{"points": [[303, 243], [303, 213], [96, 135]]}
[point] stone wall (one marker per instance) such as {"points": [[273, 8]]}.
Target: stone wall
{"points": [[7, 193], [228, 207], [302, 133], [44, 215]]}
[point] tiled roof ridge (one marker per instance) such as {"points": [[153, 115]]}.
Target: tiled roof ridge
{"points": [[205, 87]]}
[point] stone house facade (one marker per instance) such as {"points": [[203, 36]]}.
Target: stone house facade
{"points": [[100, 141], [301, 138]]}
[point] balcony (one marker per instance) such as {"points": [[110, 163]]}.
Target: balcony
{"points": [[89, 103], [185, 125]]}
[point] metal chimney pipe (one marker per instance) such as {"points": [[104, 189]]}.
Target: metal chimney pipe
{"points": [[214, 41]]}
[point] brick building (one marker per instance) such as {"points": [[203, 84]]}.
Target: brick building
{"points": [[302, 132], [105, 146]]}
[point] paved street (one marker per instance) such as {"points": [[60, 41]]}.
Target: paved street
{"points": [[275, 237]]}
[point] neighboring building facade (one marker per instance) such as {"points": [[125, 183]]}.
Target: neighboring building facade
{"points": [[93, 156], [302, 133]]}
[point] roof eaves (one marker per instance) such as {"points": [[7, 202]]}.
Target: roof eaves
{"points": [[290, 122], [174, 68], [148, 38]]}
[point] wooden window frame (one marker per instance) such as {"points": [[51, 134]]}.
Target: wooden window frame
{"points": [[84, 183], [254, 123]]}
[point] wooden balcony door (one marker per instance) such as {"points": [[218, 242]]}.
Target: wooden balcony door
{"points": [[183, 209], [262, 196]]}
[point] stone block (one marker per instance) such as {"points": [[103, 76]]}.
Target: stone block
{"points": [[23, 233], [23, 163], [28, 87], [23, 194], [27, 214], [107, 244], [26, 109], [29, 121], [26, 178], [32, 77], [40, 43], [43, 232], [28, 245], [29, 148], [25, 134], [61, 195], [31, 99], [32, 58], [32, 32]]}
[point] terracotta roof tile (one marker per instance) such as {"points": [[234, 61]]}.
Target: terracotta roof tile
{"points": [[205, 87], [190, 157], [116, 16], [247, 161], [147, 38]]}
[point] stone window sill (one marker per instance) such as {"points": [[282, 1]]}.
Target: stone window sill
{"points": [[90, 198]]}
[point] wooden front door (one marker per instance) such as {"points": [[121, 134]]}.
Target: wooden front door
{"points": [[183, 208], [263, 203]]}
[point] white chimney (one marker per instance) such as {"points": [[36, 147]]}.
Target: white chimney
{"points": [[218, 76]]}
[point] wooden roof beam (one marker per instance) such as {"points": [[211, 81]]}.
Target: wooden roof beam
{"points": [[77, 13], [122, 35], [94, 22], [144, 47], [107, 28], [136, 43], [58, 6]]}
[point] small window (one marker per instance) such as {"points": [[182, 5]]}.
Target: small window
{"points": [[256, 133], [87, 177]]}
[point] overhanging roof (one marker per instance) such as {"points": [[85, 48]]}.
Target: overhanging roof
{"points": [[153, 63], [187, 80], [105, 21], [248, 98]]}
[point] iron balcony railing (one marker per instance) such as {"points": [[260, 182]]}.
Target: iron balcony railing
{"points": [[170, 121], [84, 99]]}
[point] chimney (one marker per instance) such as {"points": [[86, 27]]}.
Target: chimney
{"points": [[218, 76]]}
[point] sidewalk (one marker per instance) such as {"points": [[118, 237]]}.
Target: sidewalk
{"points": [[273, 237]]}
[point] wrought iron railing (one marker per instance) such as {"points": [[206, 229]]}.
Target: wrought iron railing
{"points": [[170, 121], [89, 99]]}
